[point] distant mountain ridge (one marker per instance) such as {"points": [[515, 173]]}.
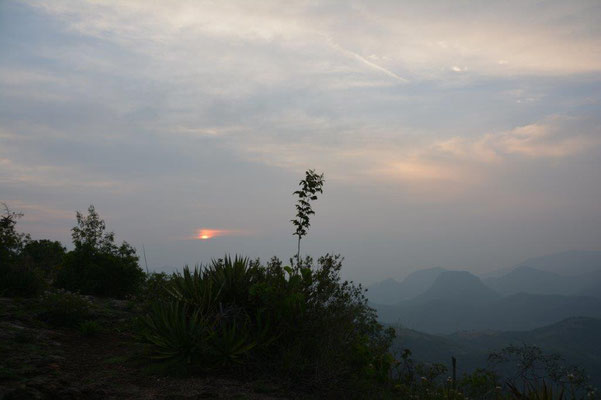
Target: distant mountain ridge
{"points": [[454, 311], [531, 280], [572, 272], [443, 301], [566, 263], [573, 262], [526, 279]]}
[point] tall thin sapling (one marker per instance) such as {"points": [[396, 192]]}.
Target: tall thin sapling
{"points": [[310, 186]]}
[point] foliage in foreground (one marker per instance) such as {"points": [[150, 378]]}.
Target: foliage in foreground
{"points": [[514, 372], [304, 324], [301, 321], [17, 277]]}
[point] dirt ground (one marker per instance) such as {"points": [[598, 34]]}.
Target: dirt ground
{"points": [[42, 362]]}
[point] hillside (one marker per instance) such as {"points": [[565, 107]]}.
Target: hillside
{"points": [[515, 312], [576, 339], [41, 361], [593, 289]]}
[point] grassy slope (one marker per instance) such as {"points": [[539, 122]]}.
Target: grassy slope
{"points": [[576, 339], [38, 361]]}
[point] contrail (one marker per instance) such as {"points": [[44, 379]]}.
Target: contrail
{"points": [[366, 61]]}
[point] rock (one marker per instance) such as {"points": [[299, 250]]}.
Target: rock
{"points": [[119, 304]]}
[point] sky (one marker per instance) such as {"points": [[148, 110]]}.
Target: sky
{"points": [[459, 134]]}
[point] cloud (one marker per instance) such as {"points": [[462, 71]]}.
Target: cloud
{"points": [[422, 41], [556, 137], [40, 212]]}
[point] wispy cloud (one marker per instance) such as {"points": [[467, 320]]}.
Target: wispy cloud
{"points": [[424, 41]]}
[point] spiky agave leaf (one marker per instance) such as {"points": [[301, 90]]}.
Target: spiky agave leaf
{"points": [[194, 289], [234, 279], [230, 342], [175, 333]]}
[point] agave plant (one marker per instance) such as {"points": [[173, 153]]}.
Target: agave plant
{"points": [[177, 335], [230, 342], [233, 278], [194, 289]]}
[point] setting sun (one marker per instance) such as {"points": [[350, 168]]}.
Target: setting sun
{"points": [[206, 234]]}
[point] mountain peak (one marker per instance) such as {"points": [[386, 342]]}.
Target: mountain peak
{"points": [[390, 291], [461, 286]]}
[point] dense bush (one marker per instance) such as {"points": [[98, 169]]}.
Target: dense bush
{"points": [[97, 265], [89, 328], [11, 242], [154, 287], [62, 308], [44, 255], [17, 276], [301, 321], [99, 273], [18, 280]]}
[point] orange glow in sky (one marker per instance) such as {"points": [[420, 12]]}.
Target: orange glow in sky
{"points": [[206, 234]]}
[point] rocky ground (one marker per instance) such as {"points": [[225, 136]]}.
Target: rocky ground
{"points": [[38, 361]]}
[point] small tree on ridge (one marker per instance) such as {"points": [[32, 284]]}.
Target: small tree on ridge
{"points": [[310, 186]]}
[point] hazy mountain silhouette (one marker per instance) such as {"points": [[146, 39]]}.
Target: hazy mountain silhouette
{"points": [[531, 280], [391, 291], [457, 287], [525, 298], [572, 262], [521, 311], [526, 279]]}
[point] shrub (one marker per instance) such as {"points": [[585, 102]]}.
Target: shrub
{"points": [[89, 328], [21, 281], [62, 308], [152, 289], [17, 278], [97, 265], [176, 334], [301, 321], [44, 255], [11, 242], [102, 274]]}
